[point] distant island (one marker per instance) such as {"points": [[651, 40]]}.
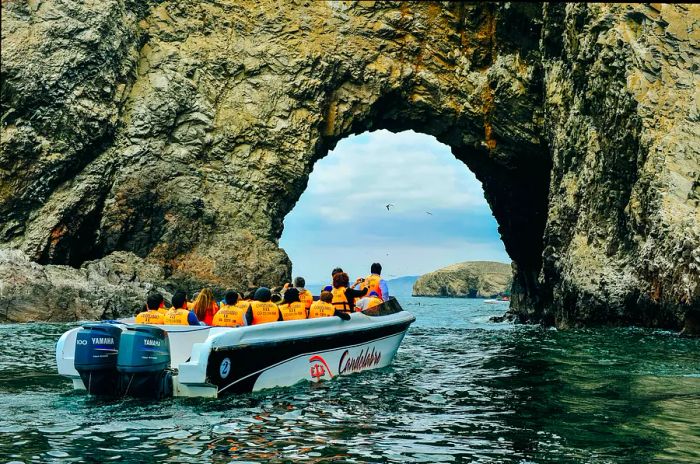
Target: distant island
{"points": [[470, 279]]}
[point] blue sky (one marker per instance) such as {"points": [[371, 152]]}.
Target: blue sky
{"points": [[417, 174]]}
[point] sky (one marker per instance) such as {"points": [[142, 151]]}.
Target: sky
{"points": [[341, 218]]}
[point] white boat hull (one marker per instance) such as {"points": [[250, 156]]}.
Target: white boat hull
{"points": [[210, 361]]}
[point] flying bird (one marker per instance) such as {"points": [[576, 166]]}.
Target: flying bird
{"points": [[428, 212], [389, 205]]}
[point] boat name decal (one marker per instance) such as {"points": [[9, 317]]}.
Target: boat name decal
{"points": [[103, 341], [319, 367], [362, 361], [151, 342]]}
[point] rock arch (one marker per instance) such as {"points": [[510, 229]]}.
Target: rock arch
{"points": [[183, 132]]}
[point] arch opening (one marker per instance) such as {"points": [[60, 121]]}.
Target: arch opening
{"points": [[503, 148], [401, 199]]}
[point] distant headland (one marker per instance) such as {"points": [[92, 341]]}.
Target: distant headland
{"points": [[469, 279]]}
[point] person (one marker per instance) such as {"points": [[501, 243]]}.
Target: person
{"points": [[250, 295], [369, 301], [322, 307], [230, 314], [243, 303], [152, 314], [230, 299], [343, 296], [277, 295], [262, 310], [190, 303], [305, 296], [205, 307], [179, 314], [329, 288], [375, 283], [292, 308]]}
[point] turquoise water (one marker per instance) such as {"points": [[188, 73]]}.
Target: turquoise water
{"points": [[461, 390]]}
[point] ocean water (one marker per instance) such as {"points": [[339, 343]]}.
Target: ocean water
{"points": [[460, 390]]}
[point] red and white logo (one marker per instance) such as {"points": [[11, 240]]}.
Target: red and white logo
{"points": [[319, 368]]}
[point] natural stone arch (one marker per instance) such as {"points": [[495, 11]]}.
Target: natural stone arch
{"points": [[184, 132], [514, 173]]}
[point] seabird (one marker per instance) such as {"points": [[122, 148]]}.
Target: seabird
{"points": [[428, 212], [389, 205]]}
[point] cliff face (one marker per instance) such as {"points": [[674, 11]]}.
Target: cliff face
{"points": [[183, 132], [474, 279]]}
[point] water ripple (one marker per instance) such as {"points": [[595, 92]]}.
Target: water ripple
{"points": [[461, 390]]}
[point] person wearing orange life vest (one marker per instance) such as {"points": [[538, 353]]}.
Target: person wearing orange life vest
{"points": [[323, 307], [375, 283], [305, 296], [367, 302], [292, 309], [153, 313], [262, 310], [230, 314], [179, 314], [343, 296], [243, 303], [329, 288]]}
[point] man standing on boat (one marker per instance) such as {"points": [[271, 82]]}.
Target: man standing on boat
{"points": [[375, 283]]}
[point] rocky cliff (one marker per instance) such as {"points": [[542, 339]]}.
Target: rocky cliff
{"points": [[183, 132], [107, 289], [470, 279]]}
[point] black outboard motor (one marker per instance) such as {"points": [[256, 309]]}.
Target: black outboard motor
{"points": [[96, 348], [144, 362]]}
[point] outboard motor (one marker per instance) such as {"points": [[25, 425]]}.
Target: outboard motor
{"points": [[144, 362], [96, 348]]}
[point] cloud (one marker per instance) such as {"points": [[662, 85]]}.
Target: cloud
{"points": [[343, 208], [412, 171]]}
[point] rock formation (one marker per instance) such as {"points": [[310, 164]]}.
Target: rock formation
{"points": [[184, 131], [114, 287], [470, 279]]}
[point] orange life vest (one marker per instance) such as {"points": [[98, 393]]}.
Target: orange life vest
{"points": [[150, 317], [340, 301], [321, 309], [307, 298], [265, 312], [176, 317], [229, 316], [190, 305], [243, 304], [292, 311], [371, 283]]}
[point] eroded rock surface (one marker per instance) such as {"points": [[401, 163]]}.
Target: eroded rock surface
{"points": [[106, 289], [184, 132], [470, 279]]}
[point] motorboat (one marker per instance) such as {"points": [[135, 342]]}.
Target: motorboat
{"points": [[120, 358]]}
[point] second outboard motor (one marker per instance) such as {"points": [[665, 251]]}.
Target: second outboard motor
{"points": [[96, 348], [144, 362]]}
